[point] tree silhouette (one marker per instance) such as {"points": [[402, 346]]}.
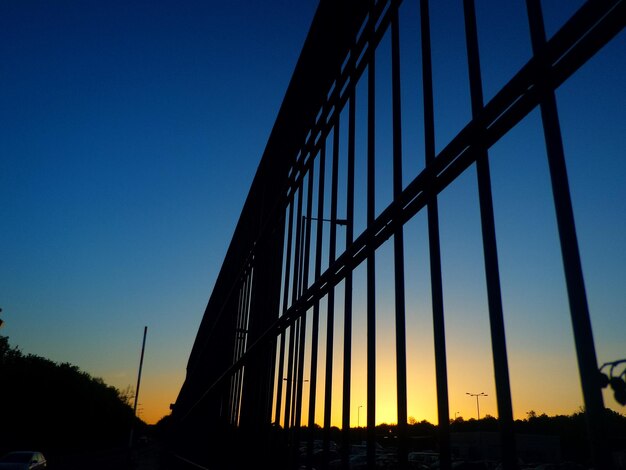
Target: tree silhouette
{"points": [[57, 407]]}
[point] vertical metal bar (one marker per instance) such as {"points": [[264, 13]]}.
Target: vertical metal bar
{"points": [[398, 242], [238, 350], [307, 227], [330, 313], [577, 297], [316, 306], [297, 276], [243, 332], [233, 379], [306, 236], [289, 397], [347, 341], [281, 363], [300, 372], [271, 253], [300, 262], [494, 297], [288, 385], [300, 341], [296, 366], [279, 385], [305, 279], [298, 386], [298, 250], [243, 335], [371, 258], [443, 413], [248, 308], [288, 260]]}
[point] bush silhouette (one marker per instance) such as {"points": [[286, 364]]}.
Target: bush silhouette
{"points": [[57, 407]]}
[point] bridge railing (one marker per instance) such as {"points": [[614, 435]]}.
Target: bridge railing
{"points": [[320, 248]]}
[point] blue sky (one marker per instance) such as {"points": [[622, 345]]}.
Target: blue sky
{"points": [[129, 136]]}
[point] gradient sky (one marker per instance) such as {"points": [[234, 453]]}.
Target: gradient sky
{"points": [[129, 136]]}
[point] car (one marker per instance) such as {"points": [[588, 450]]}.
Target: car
{"points": [[23, 460]]}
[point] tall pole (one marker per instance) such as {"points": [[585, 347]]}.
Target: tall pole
{"points": [[477, 408], [481, 394], [132, 426]]}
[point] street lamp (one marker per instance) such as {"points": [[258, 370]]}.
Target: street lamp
{"points": [[481, 394], [337, 221]]}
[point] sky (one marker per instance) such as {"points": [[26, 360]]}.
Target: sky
{"points": [[130, 133]]}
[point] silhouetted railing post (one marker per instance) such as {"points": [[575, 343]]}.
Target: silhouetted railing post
{"points": [[583, 336], [443, 415]]}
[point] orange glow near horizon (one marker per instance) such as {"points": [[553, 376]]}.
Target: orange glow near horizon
{"points": [[156, 392], [542, 379], [156, 397], [561, 395]]}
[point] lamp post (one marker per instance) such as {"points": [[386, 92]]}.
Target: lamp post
{"points": [[337, 221], [306, 226], [477, 395], [481, 394], [132, 427], [297, 385]]}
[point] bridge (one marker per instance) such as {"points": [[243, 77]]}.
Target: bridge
{"points": [[299, 301]]}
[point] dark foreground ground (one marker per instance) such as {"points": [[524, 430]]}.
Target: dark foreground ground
{"points": [[143, 458]]}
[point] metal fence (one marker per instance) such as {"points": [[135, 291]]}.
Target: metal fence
{"points": [[266, 372]]}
